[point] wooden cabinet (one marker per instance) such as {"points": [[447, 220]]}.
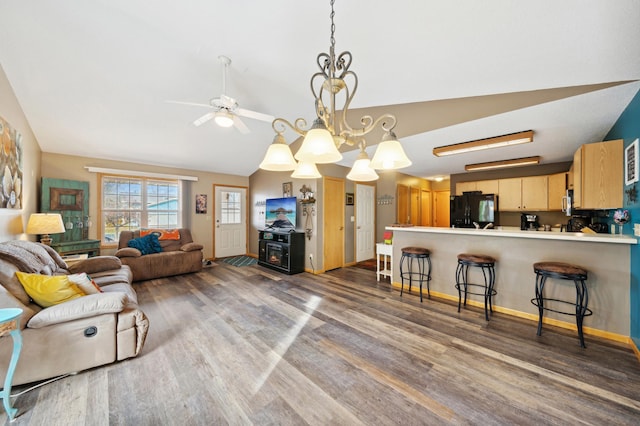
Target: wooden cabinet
{"points": [[557, 190], [597, 175], [527, 193], [486, 186]]}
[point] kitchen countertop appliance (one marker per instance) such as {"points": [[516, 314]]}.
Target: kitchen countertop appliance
{"points": [[529, 222]]}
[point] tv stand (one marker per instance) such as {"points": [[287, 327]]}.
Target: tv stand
{"points": [[281, 250]]}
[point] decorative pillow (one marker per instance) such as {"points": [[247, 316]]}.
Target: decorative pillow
{"points": [[163, 234], [147, 245], [85, 283], [49, 290]]}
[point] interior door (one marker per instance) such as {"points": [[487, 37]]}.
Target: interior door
{"points": [[414, 206], [333, 214], [425, 208], [402, 215], [442, 209], [365, 222], [230, 231]]}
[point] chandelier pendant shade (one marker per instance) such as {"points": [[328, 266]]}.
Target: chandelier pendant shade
{"points": [[278, 157], [330, 130]]}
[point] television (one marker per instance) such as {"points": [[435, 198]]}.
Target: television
{"points": [[280, 213]]}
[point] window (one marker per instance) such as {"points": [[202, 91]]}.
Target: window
{"points": [[231, 207], [131, 203]]}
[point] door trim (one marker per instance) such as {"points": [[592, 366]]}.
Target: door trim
{"points": [[375, 219]]}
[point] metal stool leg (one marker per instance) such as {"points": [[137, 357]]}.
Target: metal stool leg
{"points": [[540, 280], [582, 299]]}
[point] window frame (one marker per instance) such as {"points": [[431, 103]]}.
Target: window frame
{"points": [[144, 212]]}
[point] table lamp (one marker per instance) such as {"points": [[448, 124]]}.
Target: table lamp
{"points": [[44, 224]]}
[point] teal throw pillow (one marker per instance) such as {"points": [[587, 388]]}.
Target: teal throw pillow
{"points": [[147, 244]]}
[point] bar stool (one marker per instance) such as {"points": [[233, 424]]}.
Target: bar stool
{"points": [[487, 264], [562, 271], [420, 255]]}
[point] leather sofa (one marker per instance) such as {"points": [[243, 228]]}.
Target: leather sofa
{"points": [[178, 256], [75, 335]]}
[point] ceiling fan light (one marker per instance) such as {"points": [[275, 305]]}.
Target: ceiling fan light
{"points": [[389, 155], [362, 171], [306, 170], [223, 118], [318, 145], [278, 157]]}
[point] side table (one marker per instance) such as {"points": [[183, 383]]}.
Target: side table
{"points": [[384, 251], [10, 323], [90, 247]]}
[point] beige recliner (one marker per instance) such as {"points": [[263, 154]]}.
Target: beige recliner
{"points": [[76, 335]]}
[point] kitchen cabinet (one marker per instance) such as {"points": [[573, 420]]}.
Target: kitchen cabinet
{"points": [[598, 175], [527, 193], [557, 190], [486, 186]]}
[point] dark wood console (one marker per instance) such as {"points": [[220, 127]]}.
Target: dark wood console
{"points": [[281, 251]]}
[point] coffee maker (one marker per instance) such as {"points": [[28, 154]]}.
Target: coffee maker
{"points": [[529, 222]]}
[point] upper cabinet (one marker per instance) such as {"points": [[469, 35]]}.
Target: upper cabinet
{"points": [[486, 186], [557, 190], [598, 175], [526, 193]]}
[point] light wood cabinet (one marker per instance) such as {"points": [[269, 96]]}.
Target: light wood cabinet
{"points": [[598, 175], [557, 190], [486, 186], [520, 194]]}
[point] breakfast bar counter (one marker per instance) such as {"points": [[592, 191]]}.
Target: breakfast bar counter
{"points": [[606, 258]]}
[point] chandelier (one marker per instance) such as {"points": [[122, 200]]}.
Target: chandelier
{"points": [[330, 130]]}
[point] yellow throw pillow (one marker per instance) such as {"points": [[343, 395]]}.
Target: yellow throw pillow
{"points": [[49, 290]]}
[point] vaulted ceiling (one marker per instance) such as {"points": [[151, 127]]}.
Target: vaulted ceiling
{"points": [[93, 77]]}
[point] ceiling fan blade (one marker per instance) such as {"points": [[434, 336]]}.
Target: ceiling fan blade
{"points": [[239, 124], [189, 103], [208, 116], [255, 115]]}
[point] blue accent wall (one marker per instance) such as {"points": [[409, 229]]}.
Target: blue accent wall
{"points": [[628, 128]]}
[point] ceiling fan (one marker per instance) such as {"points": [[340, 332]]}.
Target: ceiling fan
{"points": [[226, 112]]}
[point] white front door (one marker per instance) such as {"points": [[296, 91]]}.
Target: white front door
{"points": [[230, 231], [365, 222]]}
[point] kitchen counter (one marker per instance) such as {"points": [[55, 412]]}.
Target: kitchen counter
{"points": [[605, 256]]}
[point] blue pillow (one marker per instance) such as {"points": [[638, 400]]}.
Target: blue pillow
{"points": [[147, 244]]}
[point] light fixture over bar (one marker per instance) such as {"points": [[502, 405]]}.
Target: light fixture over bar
{"points": [[524, 161], [480, 144]]}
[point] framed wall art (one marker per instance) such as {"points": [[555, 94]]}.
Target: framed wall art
{"points": [[287, 189], [631, 163], [349, 198], [201, 203], [10, 166]]}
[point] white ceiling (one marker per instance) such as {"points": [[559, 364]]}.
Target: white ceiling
{"points": [[93, 77]]}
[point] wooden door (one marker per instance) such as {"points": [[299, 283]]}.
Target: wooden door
{"points": [[402, 215], [441, 208], [414, 206], [557, 190], [425, 208], [333, 213]]}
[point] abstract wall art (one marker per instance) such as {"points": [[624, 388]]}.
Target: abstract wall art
{"points": [[11, 166]]}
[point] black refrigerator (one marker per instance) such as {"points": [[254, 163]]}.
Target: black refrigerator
{"points": [[473, 206]]}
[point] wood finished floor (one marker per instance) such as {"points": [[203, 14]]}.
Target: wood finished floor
{"points": [[247, 345]]}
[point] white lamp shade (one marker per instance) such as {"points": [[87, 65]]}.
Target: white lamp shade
{"points": [[306, 170], [45, 223], [278, 157], [389, 156], [318, 146], [223, 118], [361, 171]]}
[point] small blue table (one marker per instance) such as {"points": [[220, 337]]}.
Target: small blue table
{"points": [[10, 323]]}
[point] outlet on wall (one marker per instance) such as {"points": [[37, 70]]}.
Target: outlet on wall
{"points": [[311, 256]]}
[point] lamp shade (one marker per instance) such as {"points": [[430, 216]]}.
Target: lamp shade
{"points": [[318, 145], [306, 170], [389, 155], [278, 157], [362, 171], [45, 223]]}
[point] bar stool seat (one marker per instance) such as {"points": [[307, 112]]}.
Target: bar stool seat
{"points": [[562, 271], [420, 255], [487, 265]]}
